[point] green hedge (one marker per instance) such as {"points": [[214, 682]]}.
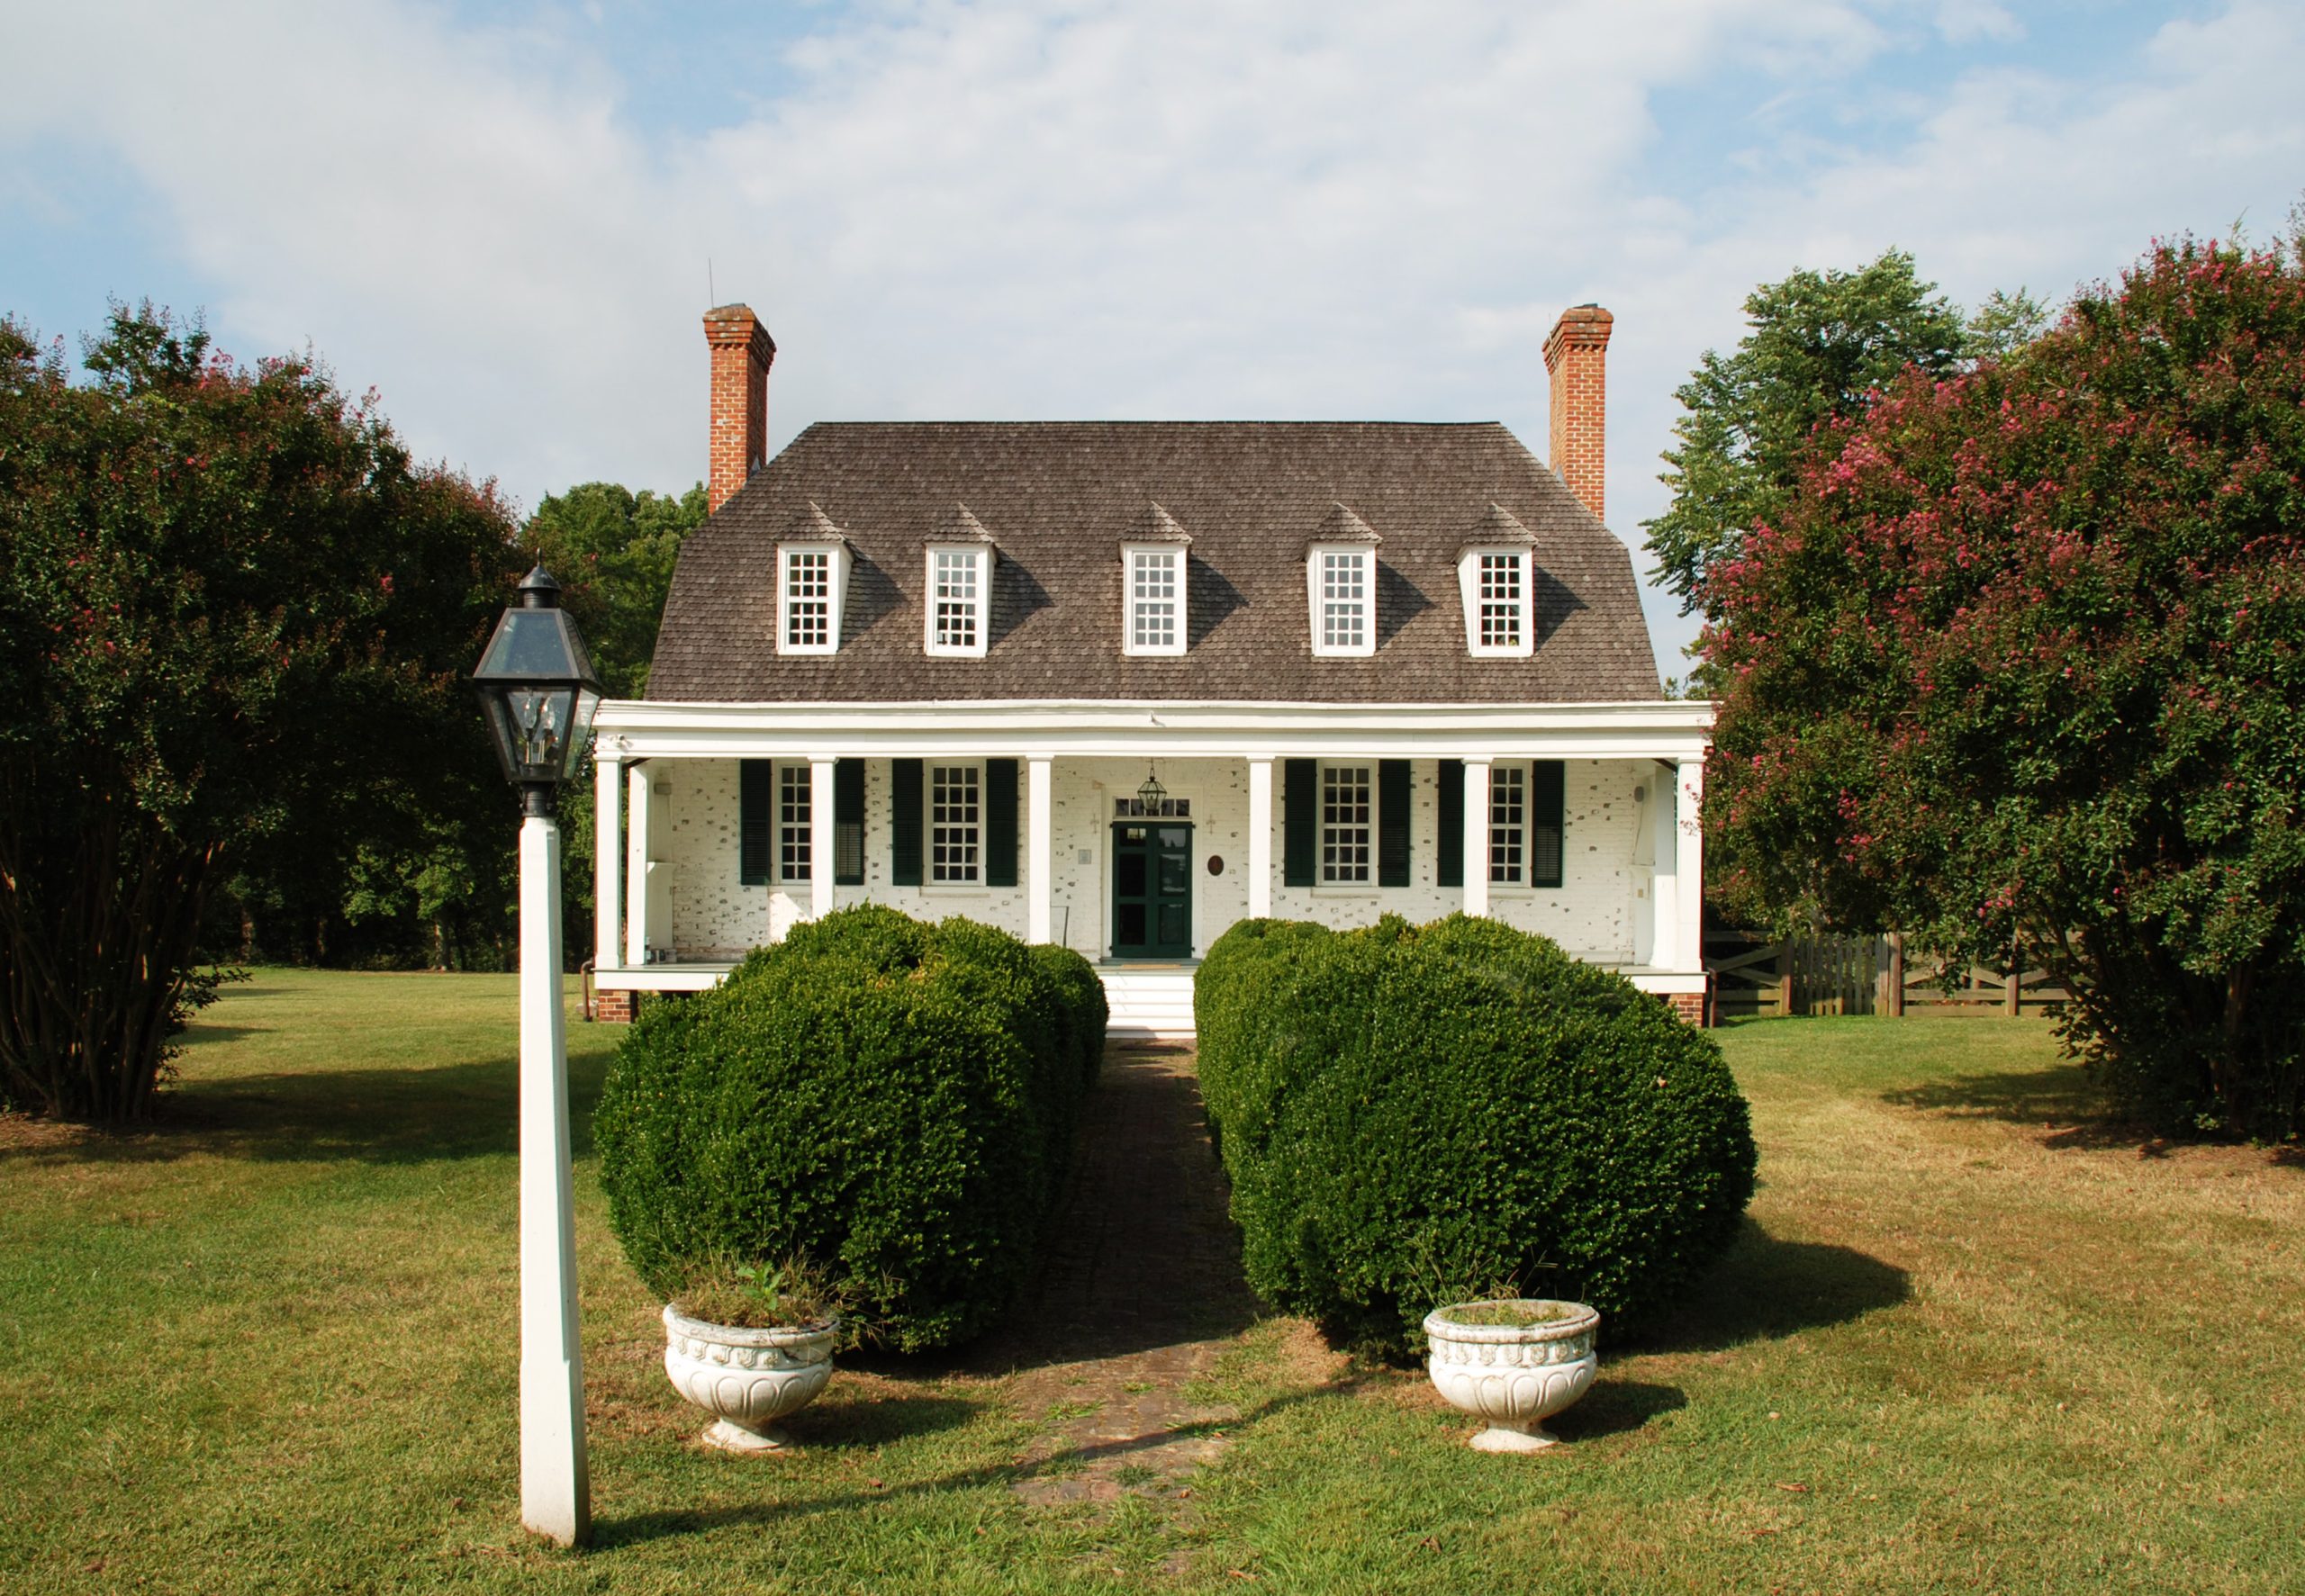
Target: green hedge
{"points": [[891, 1099], [1417, 1115]]}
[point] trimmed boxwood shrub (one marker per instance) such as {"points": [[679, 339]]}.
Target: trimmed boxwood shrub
{"points": [[1412, 1116], [893, 1100]]}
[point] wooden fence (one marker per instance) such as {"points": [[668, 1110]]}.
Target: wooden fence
{"points": [[1868, 975]]}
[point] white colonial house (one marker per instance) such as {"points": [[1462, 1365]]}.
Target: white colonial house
{"points": [[1117, 685]]}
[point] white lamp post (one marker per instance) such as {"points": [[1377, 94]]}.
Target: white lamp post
{"points": [[536, 687]]}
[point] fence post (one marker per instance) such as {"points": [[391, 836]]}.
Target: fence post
{"points": [[1784, 979], [1897, 975], [2011, 994]]}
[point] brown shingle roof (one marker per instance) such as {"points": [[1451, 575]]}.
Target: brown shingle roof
{"points": [[1059, 499]]}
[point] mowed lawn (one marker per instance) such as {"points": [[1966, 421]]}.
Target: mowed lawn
{"points": [[1973, 1338]]}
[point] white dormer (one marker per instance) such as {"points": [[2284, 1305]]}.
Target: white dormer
{"points": [[1340, 583], [1496, 578], [957, 615], [1152, 588], [811, 585]]}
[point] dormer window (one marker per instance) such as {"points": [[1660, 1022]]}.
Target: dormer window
{"points": [[1345, 601], [1497, 578], [811, 580], [960, 597], [1156, 599], [1340, 579], [1498, 615]]}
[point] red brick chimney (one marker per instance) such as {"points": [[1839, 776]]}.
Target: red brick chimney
{"points": [[1577, 353], [741, 353]]}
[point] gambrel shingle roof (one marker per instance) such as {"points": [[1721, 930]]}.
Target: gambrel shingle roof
{"points": [[1058, 501]]}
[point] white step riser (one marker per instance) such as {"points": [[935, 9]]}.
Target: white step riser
{"points": [[1155, 1006]]}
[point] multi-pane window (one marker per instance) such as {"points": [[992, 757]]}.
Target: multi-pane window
{"points": [[807, 599], [1153, 600], [1347, 823], [1508, 823], [1344, 600], [1500, 602], [957, 581], [955, 823], [794, 800]]}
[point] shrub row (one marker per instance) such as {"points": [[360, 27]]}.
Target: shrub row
{"points": [[1412, 1116], [892, 1100]]}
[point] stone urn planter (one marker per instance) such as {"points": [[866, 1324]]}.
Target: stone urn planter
{"points": [[747, 1379], [1514, 1362]]}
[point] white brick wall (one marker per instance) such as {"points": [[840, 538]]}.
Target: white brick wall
{"points": [[1590, 914]]}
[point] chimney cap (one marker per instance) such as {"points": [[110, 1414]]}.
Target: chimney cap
{"points": [[1581, 327]]}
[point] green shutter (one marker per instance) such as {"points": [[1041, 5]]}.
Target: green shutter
{"points": [[1300, 806], [1547, 793], [1001, 823], [848, 823], [1392, 822], [1448, 857], [905, 775], [755, 821]]}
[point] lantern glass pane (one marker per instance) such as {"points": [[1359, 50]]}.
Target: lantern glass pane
{"points": [[534, 643]]}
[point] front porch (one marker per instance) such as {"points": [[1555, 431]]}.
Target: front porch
{"points": [[722, 826]]}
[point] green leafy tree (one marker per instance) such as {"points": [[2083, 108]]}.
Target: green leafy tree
{"points": [[2021, 664], [1819, 343], [613, 551], [234, 624]]}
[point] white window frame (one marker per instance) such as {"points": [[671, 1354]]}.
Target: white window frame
{"points": [[1316, 565], [1326, 865], [1512, 832], [1132, 601], [784, 832], [836, 572], [930, 844], [979, 556], [1468, 584]]}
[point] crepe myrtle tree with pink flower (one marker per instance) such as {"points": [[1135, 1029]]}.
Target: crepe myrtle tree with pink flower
{"points": [[2023, 665]]}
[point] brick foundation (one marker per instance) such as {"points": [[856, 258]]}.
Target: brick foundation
{"points": [[1689, 1007], [614, 1008]]}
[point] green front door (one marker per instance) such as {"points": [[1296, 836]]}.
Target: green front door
{"points": [[1152, 890]]}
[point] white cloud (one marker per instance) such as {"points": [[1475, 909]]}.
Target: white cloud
{"points": [[1082, 207]]}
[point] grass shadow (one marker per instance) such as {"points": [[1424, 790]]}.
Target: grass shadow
{"points": [[634, 1529], [378, 1116], [1616, 1407], [2059, 1102], [1766, 1288], [836, 1424]]}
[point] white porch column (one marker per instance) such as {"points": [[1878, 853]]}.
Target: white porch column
{"points": [[607, 859], [1040, 850], [1688, 868], [820, 838], [1260, 836], [635, 863], [1477, 802]]}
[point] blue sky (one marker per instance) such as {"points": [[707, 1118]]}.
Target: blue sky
{"points": [[504, 216]]}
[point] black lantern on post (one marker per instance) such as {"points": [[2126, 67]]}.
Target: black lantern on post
{"points": [[538, 689]]}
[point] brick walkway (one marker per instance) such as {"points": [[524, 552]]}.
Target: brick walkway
{"points": [[1142, 1291]]}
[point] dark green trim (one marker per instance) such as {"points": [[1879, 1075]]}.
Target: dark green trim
{"points": [[1547, 805], [755, 822], [1300, 829], [1001, 823], [848, 823], [905, 835], [1448, 854], [1393, 806]]}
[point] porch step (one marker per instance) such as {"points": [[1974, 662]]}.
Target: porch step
{"points": [[1148, 1003]]}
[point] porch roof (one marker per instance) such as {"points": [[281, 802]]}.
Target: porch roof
{"points": [[1673, 730]]}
